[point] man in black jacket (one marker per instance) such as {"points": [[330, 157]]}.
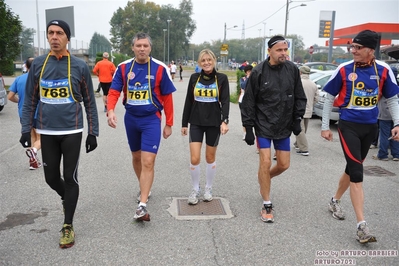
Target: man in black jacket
{"points": [[274, 104]]}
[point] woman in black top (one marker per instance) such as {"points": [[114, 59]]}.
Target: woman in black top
{"points": [[207, 110]]}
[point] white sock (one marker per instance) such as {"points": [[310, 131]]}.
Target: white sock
{"points": [[359, 223], [210, 174], [142, 204], [195, 171], [267, 202], [34, 149]]}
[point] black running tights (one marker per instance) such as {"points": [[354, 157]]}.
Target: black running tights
{"points": [[355, 141], [67, 147]]}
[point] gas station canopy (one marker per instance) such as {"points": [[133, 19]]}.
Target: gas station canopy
{"points": [[388, 32]]}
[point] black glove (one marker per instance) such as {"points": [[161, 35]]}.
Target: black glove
{"points": [[25, 140], [91, 143], [249, 136], [297, 127]]}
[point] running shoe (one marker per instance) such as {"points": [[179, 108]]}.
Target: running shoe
{"points": [[375, 157], [193, 198], [363, 234], [208, 194], [304, 153], [395, 159], [33, 165], [67, 239], [266, 214], [139, 196], [141, 214], [336, 209], [34, 162], [373, 146]]}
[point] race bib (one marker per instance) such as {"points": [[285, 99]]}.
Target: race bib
{"points": [[206, 93], [55, 91], [138, 95], [364, 98]]}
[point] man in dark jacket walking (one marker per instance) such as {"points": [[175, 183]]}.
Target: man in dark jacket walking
{"points": [[274, 104]]}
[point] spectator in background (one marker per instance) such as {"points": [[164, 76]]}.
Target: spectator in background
{"points": [[243, 65], [197, 69], [181, 72], [311, 92], [243, 83], [17, 95], [25, 67], [385, 126], [173, 69], [105, 70]]}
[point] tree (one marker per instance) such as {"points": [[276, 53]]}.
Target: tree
{"points": [[152, 19], [98, 44], [27, 49], [10, 30]]}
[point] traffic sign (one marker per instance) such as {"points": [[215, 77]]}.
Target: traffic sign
{"points": [[224, 47]]}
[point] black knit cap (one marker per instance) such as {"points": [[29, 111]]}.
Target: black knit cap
{"points": [[63, 25], [367, 38], [274, 40]]}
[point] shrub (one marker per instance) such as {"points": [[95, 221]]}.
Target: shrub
{"points": [[7, 67]]}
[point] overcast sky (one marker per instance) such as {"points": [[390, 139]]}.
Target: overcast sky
{"points": [[249, 16]]}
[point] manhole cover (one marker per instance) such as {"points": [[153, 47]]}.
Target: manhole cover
{"points": [[376, 171], [218, 208], [213, 207]]}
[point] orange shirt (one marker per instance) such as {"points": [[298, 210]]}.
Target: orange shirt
{"points": [[105, 70]]}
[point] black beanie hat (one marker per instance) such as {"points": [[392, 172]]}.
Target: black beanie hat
{"points": [[367, 38], [274, 40], [63, 25]]}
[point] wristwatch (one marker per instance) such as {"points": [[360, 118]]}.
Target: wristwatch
{"points": [[226, 121]]}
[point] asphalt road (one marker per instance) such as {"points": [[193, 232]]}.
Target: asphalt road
{"points": [[304, 231]]}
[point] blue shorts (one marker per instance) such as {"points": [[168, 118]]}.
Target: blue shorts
{"points": [[279, 144], [143, 133]]}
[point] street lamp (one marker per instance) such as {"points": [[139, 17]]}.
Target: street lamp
{"points": [[225, 29], [287, 10], [224, 41], [164, 43], [38, 29], [260, 46], [169, 20]]}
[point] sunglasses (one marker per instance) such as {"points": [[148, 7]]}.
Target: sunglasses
{"points": [[356, 47]]}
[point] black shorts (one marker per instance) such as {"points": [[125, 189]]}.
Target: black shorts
{"points": [[105, 87], [212, 134]]}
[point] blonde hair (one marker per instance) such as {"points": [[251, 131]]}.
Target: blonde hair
{"points": [[207, 52]]}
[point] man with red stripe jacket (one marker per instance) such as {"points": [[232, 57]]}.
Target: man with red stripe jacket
{"points": [[358, 85], [147, 90]]}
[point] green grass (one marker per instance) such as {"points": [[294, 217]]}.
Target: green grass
{"points": [[234, 98]]}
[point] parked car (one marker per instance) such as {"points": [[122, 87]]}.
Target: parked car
{"points": [[321, 78], [392, 51], [321, 66], [3, 93]]}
